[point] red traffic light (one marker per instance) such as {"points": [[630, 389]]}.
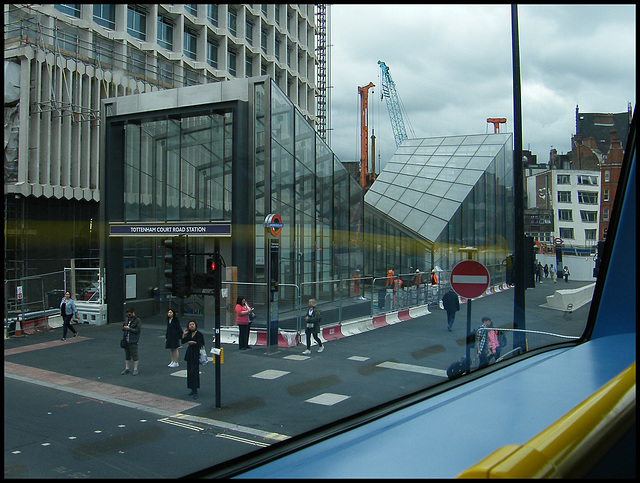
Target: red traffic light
{"points": [[211, 265]]}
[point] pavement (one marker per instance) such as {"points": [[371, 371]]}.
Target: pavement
{"points": [[91, 363]]}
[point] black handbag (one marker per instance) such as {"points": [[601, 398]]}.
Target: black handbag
{"points": [[123, 343], [252, 316]]}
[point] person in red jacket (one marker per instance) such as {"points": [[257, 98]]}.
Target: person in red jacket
{"points": [[242, 320]]}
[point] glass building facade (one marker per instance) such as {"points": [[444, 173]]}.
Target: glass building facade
{"points": [[453, 192], [225, 155], [213, 161]]}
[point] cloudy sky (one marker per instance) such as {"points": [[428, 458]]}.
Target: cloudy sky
{"points": [[452, 66]]}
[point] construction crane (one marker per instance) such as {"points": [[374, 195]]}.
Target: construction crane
{"points": [[366, 178], [496, 123], [393, 104]]}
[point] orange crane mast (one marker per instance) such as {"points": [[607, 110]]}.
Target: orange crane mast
{"points": [[365, 178]]}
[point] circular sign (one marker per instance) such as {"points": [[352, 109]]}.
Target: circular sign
{"points": [[557, 241], [469, 279], [274, 222]]}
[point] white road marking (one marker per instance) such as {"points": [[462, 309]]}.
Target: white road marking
{"points": [[242, 440], [270, 374], [180, 424], [327, 399], [413, 368], [358, 358], [295, 357]]}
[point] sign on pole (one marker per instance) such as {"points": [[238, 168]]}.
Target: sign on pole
{"points": [[469, 279]]}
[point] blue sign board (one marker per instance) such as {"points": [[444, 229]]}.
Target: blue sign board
{"points": [[191, 229]]}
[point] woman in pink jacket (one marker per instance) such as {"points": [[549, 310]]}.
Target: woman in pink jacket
{"points": [[242, 320]]}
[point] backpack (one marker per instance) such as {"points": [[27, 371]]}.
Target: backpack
{"points": [[502, 338], [458, 368]]}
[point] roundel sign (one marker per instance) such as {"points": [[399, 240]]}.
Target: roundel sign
{"points": [[469, 279], [274, 222]]}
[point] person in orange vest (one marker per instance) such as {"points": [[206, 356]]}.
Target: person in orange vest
{"points": [[356, 282], [390, 274], [434, 278], [417, 278]]}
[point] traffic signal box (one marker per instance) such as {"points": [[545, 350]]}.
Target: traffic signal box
{"points": [[176, 259], [212, 278]]}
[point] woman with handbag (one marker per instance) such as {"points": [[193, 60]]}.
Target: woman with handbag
{"points": [[195, 341], [242, 320]]}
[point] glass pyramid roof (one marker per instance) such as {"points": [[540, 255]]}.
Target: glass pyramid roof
{"points": [[427, 179]]}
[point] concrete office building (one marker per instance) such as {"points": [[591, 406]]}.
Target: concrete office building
{"points": [[62, 60]]}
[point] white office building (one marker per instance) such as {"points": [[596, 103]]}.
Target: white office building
{"points": [[573, 196]]}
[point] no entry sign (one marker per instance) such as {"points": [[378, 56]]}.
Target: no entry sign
{"points": [[469, 279]]}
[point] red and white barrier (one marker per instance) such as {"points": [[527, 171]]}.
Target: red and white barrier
{"points": [[229, 335]]}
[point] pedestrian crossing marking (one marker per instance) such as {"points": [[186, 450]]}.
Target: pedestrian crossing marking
{"points": [[358, 358], [413, 368], [296, 357], [327, 399], [270, 374]]}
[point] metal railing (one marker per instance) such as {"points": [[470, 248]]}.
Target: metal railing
{"points": [[39, 296]]}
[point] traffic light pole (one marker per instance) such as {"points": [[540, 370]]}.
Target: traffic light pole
{"points": [[216, 292], [518, 192], [469, 251]]}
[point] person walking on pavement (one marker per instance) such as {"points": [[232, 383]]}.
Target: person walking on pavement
{"points": [[451, 304], [242, 320], [482, 343], [313, 318], [131, 329], [195, 341], [552, 272], [68, 310], [172, 337], [566, 274]]}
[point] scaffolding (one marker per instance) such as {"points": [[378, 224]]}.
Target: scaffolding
{"points": [[321, 55]]}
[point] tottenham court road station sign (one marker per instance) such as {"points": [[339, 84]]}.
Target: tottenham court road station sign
{"points": [[171, 229], [469, 279]]}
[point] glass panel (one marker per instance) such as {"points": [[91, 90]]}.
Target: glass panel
{"points": [[132, 172], [432, 142], [420, 184], [469, 177], [403, 180], [479, 162], [446, 150], [399, 211], [449, 174], [173, 170], [439, 188], [430, 172], [136, 23], [445, 209], [305, 142], [282, 119]]}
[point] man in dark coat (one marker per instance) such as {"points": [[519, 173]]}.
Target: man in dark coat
{"points": [[451, 304]]}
